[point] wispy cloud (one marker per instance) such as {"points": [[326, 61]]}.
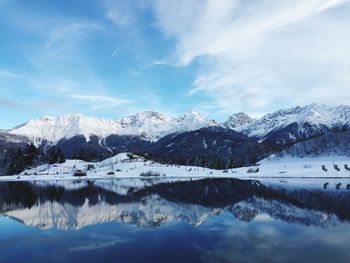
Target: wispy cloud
{"points": [[9, 74], [260, 54], [106, 101], [13, 104], [100, 102], [70, 31]]}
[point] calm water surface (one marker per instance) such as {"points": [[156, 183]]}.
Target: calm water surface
{"points": [[218, 220]]}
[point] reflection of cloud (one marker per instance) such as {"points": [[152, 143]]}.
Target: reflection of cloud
{"points": [[276, 241], [97, 245]]}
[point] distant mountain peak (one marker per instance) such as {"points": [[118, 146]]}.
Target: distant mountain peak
{"points": [[300, 122]]}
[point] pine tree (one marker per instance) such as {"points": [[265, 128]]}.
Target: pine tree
{"points": [[60, 156], [31, 155]]}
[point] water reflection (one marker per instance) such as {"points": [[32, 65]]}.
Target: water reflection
{"points": [[73, 205]]}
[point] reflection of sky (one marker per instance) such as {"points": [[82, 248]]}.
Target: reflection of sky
{"points": [[277, 241], [221, 239]]}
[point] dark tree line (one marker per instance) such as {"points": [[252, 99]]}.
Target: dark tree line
{"points": [[55, 155], [19, 159], [86, 155], [209, 161]]}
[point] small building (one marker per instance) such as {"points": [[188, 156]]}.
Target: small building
{"points": [[79, 173]]}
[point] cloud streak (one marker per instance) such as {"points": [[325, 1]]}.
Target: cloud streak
{"points": [[8, 74], [100, 99]]}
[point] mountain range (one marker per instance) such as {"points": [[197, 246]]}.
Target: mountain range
{"points": [[191, 138]]}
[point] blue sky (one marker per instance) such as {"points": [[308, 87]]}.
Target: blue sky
{"points": [[113, 58]]}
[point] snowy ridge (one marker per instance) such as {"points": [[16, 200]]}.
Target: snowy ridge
{"points": [[317, 115], [149, 125]]}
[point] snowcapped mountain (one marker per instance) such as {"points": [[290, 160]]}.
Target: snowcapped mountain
{"points": [[286, 125], [186, 137], [53, 129], [154, 125], [148, 125], [238, 121], [298, 123]]}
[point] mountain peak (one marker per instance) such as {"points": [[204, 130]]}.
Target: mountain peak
{"points": [[143, 117], [238, 121]]}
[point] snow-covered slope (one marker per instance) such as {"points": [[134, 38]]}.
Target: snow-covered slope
{"points": [[150, 125], [307, 119]]}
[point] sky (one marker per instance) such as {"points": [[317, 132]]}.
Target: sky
{"points": [[109, 59]]}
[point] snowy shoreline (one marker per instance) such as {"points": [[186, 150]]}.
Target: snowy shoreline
{"points": [[121, 167]]}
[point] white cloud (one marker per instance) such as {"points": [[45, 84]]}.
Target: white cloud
{"points": [[258, 55]]}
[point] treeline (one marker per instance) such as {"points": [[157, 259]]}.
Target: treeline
{"points": [[90, 155], [208, 161], [18, 159]]}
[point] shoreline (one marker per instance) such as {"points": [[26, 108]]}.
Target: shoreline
{"points": [[21, 178]]}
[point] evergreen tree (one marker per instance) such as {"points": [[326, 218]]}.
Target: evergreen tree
{"points": [[31, 155], [17, 163], [56, 155], [60, 156]]}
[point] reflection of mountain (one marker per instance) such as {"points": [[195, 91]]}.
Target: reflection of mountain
{"points": [[153, 205]]}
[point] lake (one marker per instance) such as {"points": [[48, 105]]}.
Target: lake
{"points": [[208, 220]]}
